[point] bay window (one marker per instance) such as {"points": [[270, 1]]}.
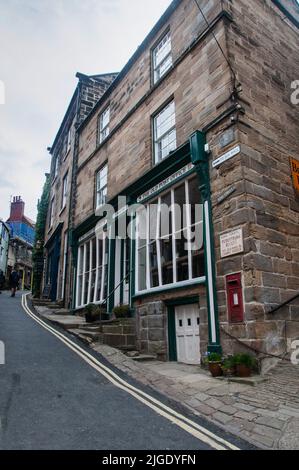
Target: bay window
{"points": [[169, 247]]}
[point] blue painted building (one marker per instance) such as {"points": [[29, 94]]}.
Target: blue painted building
{"points": [[22, 234]]}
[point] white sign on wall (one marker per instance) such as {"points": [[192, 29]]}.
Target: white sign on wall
{"points": [[230, 154], [231, 243]]}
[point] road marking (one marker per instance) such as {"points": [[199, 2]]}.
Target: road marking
{"points": [[180, 420]]}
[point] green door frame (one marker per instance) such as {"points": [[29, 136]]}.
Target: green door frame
{"points": [[171, 304]]}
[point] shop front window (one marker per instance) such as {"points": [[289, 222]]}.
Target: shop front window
{"points": [[169, 247], [92, 272]]}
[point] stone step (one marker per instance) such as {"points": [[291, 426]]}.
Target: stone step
{"points": [[127, 349], [144, 358], [118, 341], [119, 329], [54, 306], [94, 336], [61, 311]]}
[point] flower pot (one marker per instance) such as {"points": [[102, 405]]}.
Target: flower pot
{"points": [[215, 369], [243, 371], [91, 318]]}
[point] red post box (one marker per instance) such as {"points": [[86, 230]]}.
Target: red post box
{"points": [[234, 293]]}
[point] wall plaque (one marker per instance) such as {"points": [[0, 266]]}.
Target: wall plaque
{"points": [[231, 243]]}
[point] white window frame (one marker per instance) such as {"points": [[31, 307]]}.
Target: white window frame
{"points": [[162, 57], [104, 122], [64, 190], [191, 280], [170, 128], [69, 141], [101, 244], [51, 218], [101, 190], [56, 165]]}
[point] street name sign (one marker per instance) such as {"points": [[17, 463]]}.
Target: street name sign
{"points": [[226, 156]]}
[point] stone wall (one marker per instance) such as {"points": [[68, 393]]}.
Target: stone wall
{"points": [[90, 89], [263, 49], [200, 84], [151, 319]]}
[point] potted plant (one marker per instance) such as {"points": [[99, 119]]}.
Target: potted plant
{"points": [[92, 313], [229, 366], [244, 364], [214, 364], [122, 311]]}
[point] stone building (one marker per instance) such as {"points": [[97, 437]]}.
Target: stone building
{"points": [[21, 240], [201, 115], [58, 275]]}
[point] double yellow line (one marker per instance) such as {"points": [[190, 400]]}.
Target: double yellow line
{"points": [[197, 431]]}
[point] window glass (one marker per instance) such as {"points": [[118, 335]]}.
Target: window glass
{"points": [[92, 272], [165, 132], [173, 253], [104, 124], [101, 186], [162, 57]]}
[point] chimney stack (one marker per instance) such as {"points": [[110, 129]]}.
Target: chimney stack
{"points": [[17, 209]]}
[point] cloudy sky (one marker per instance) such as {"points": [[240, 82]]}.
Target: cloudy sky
{"points": [[43, 44]]}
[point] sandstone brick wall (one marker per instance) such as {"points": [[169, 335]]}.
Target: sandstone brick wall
{"points": [[91, 89], [264, 51], [200, 85]]}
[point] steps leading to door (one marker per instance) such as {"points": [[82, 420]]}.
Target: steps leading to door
{"points": [[120, 334]]}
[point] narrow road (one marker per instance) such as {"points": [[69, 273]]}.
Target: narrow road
{"points": [[51, 398]]}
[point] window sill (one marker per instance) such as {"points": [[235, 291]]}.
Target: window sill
{"points": [[54, 180], [50, 229], [171, 287]]}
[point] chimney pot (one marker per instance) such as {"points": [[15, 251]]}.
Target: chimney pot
{"points": [[17, 209]]}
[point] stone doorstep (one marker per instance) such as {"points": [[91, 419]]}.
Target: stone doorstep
{"points": [[252, 381], [144, 358], [85, 333], [67, 322]]}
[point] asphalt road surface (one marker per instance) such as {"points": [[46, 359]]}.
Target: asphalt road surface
{"points": [[51, 398]]}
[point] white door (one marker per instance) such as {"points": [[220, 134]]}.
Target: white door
{"points": [[187, 334]]}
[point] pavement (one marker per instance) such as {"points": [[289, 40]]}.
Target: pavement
{"points": [[54, 395], [264, 412]]}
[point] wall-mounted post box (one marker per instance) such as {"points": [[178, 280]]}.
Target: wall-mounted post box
{"points": [[234, 294]]}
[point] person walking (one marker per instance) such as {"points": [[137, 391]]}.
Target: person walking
{"points": [[14, 279], [2, 280]]}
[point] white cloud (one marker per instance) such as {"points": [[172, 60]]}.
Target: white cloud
{"points": [[43, 44]]}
